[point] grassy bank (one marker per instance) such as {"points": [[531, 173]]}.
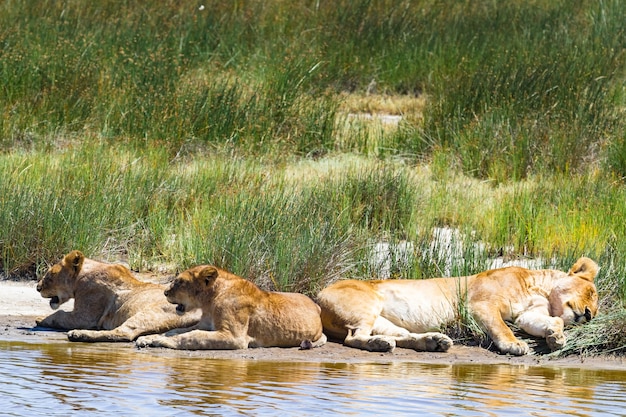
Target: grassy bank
{"points": [[246, 134], [297, 226]]}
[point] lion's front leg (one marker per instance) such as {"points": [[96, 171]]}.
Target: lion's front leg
{"points": [[91, 336], [128, 331], [542, 325], [156, 340], [66, 320], [195, 340], [490, 319]]}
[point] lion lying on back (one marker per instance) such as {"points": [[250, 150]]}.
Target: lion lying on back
{"points": [[110, 304], [236, 314], [378, 315]]}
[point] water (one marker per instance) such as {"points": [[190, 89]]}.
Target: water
{"points": [[66, 379]]}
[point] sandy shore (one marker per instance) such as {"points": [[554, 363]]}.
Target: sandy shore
{"points": [[23, 304]]}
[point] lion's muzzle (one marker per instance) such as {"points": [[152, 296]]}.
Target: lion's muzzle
{"points": [[584, 317]]}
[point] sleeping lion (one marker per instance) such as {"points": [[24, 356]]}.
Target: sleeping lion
{"points": [[236, 314], [110, 304], [377, 315]]}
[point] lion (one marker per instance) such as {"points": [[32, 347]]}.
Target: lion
{"points": [[236, 314], [110, 304], [378, 315]]}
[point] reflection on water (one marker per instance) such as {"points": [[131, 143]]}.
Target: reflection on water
{"points": [[74, 379]]}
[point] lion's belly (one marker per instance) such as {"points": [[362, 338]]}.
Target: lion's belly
{"points": [[419, 318], [420, 306]]}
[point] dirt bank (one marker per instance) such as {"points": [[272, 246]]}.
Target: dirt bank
{"points": [[22, 304]]}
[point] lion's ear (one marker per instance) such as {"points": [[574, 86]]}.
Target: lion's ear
{"points": [[585, 268], [75, 260], [208, 273]]}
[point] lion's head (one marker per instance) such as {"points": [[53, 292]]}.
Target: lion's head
{"points": [[184, 291], [574, 298], [58, 282]]}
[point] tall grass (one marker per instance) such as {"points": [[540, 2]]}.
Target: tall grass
{"points": [[257, 217], [301, 225], [516, 88], [77, 198]]}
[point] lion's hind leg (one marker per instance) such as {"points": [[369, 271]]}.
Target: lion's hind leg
{"points": [[363, 339], [349, 310], [426, 342], [361, 336]]}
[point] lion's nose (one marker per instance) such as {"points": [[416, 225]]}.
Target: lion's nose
{"points": [[167, 292], [39, 286], [583, 317]]}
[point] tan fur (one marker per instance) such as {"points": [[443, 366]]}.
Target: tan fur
{"points": [[384, 313], [236, 314], [110, 304]]}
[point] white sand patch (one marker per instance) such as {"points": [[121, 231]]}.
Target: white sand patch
{"points": [[22, 299], [391, 120], [446, 247]]}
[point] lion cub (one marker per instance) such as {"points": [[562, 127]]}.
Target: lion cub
{"points": [[110, 304], [236, 314]]}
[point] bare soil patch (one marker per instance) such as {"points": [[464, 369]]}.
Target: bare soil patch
{"points": [[23, 305]]}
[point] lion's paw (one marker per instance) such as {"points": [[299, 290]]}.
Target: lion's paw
{"points": [[555, 340], [145, 341], [438, 342], [517, 348], [426, 342], [381, 344], [77, 336]]}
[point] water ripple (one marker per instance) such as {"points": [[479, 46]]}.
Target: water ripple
{"points": [[67, 379]]}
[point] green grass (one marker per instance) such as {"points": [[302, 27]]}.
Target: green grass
{"points": [[514, 88], [166, 136]]}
